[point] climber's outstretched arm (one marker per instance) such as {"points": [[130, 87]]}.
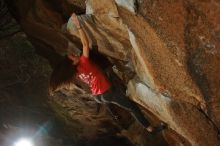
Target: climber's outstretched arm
{"points": [[83, 36]]}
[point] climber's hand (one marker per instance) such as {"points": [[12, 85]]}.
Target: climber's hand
{"points": [[75, 20]]}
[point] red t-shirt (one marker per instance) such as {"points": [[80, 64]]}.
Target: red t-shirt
{"points": [[92, 75]]}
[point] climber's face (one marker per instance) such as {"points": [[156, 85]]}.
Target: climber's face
{"points": [[74, 58]]}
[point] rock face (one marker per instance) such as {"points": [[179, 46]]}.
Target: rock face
{"points": [[171, 46], [23, 76], [171, 82], [26, 110]]}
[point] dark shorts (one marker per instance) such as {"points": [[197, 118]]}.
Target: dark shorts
{"points": [[116, 96]]}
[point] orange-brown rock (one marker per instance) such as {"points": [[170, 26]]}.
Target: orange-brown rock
{"points": [[172, 46], [171, 42]]}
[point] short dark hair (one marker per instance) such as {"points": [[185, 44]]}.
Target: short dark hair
{"points": [[62, 75]]}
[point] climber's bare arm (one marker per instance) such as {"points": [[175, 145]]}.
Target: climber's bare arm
{"points": [[83, 36]]}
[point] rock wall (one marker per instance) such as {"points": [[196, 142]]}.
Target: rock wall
{"points": [[170, 41], [172, 47], [26, 109], [23, 82]]}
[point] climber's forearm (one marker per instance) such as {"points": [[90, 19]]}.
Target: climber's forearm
{"points": [[84, 40], [82, 34]]}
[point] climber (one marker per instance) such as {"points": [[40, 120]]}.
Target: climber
{"points": [[80, 67]]}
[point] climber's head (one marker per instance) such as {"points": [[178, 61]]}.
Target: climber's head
{"points": [[74, 58], [63, 74]]}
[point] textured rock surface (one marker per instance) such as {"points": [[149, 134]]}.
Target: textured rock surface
{"points": [[172, 46], [23, 76], [25, 108], [165, 66]]}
